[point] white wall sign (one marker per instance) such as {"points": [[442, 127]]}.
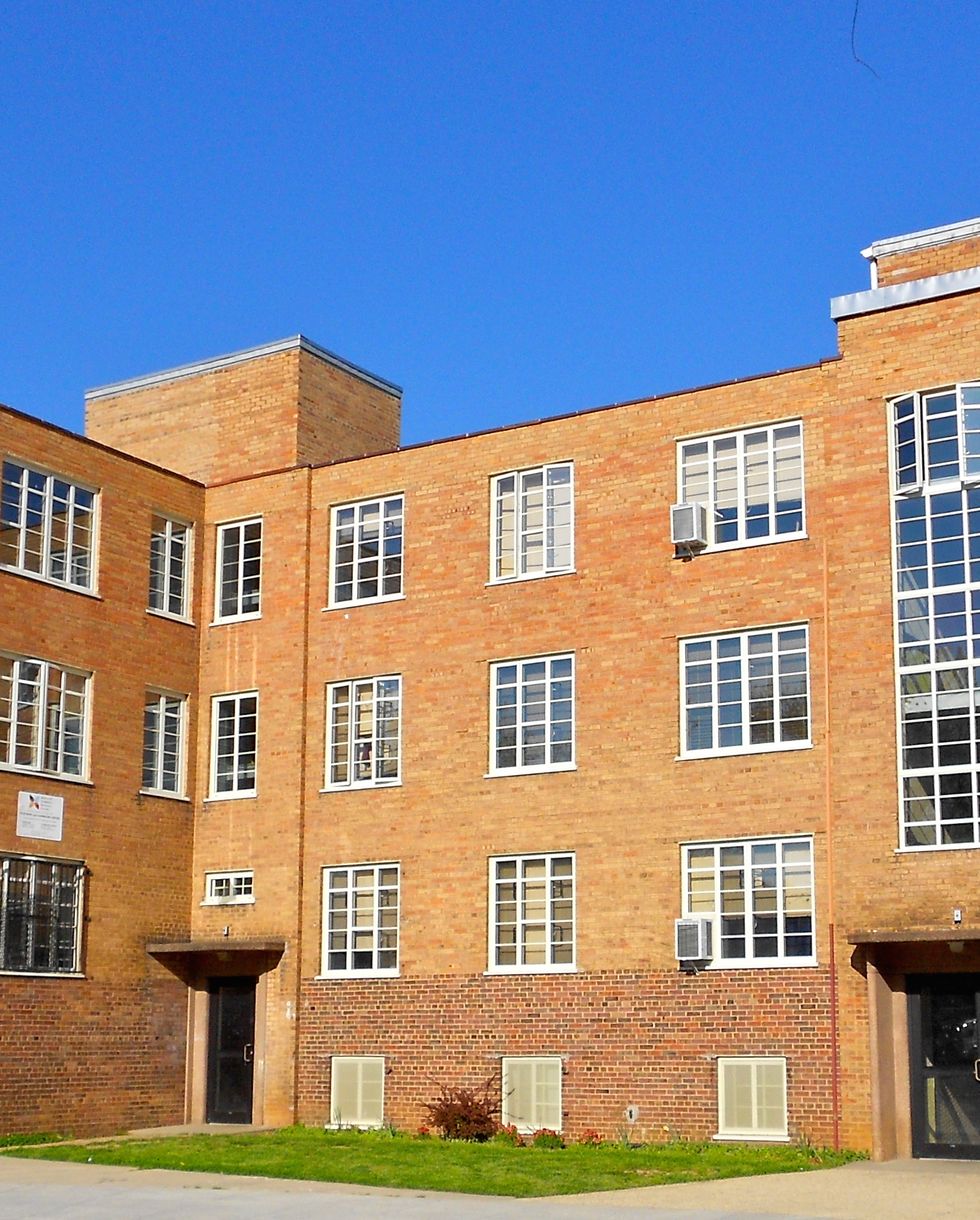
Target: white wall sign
{"points": [[39, 816]]}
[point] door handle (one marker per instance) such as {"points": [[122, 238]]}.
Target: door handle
{"points": [[976, 1070], [248, 1053]]}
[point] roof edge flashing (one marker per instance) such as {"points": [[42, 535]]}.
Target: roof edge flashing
{"points": [[909, 292], [942, 235]]}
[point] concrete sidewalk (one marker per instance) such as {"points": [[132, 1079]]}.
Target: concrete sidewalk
{"points": [[900, 1190]]}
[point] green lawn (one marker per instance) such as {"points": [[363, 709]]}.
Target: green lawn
{"points": [[381, 1159]]}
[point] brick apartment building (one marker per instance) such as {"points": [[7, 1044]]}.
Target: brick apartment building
{"points": [[331, 771]]}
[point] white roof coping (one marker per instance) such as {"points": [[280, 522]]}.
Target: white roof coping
{"points": [[200, 367], [924, 238], [909, 293]]}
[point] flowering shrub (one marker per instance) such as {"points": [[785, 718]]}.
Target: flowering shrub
{"points": [[547, 1139], [423, 1132], [509, 1135], [591, 1137], [466, 1114]]}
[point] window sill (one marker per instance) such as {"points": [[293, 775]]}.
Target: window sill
{"points": [[228, 902], [391, 783], [230, 796], [37, 578], [498, 971], [494, 582], [173, 618], [341, 975], [756, 1137], [932, 847], [46, 776], [769, 963], [748, 543], [235, 618], [165, 796], [546, 770], [776, 747], [41, 974], [364, 601]]}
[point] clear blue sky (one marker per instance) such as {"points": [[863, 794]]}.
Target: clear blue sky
{"points": [[510, 209]]}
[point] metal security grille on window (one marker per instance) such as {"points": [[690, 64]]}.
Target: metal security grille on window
{"points": [[235, 742], [42, 716], [367, 550], [163, 743], [534, 913], [758, 896], [532, 522], [751, 483], [937, 536], [239, 569], [46, 526], [746, 691], [533, 714], [530, 1095], [364, 732], [169, 577], [361, 919], [39, 915]]}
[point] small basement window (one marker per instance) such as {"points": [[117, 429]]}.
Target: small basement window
{"points": [[752, 1098]]}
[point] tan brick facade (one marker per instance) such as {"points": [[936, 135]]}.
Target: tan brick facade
{"points": [[287, 434]]}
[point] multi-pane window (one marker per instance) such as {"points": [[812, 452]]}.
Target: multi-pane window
{"points": [[357, 1090], [239, 570], [750, 482], [532, 522], [533, 714], [532, 913], [47, 526], [234, 741], [164, 735], [530, 1093], [43, 716], [368, 542], [229, 889], [752, 1098], [745, 692], [170, 577], [758, 897], [936, 510], [40, 915], [363, 732], [360, 919]]}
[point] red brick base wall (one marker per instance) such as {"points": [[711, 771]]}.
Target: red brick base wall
{"points": [[85, 1059], [626, 1038]]}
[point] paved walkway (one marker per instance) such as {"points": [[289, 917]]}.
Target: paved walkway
{"points": [[898, 1190]]}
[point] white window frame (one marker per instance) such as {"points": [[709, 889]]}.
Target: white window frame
{"points": [[237, 791], [543, 915], [727, 485], [734, 695], [365, 748], [360, 1064], [240, 884], [50, 719], [368, 880], [236, 582], [67, 874], [527, 721], [172, 545], [167, 704], [792, 901], [77, 557], [920, 459], [360, 550], [544, 1115], [534, 546], [752, 1066]]}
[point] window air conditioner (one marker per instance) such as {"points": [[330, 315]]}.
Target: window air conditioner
{"points": [[692, 940], [689, 525]]}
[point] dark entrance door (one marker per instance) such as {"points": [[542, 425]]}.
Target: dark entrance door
{"points": [[231, 1049], [945, 1063]]}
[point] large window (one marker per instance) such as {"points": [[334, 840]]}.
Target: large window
{"points": [[43, 716], [533, 714], [360, 919], [936, 510], [47, 526], [530, 1093], [40, 915], [363, 732], [750, 482], [758, 897], [745, 692], [532, 913], [170, 576], [532, 522], [752, 1098], [368, 540], [239, 571], [357, 1089], [234, 744], [164, 737]]}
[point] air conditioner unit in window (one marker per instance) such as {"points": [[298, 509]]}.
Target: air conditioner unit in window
{"points": [[689, 526], [692, 940]]}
